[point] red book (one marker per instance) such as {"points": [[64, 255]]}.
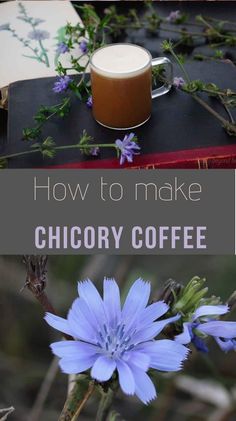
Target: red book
{"points": [[202, 158]]}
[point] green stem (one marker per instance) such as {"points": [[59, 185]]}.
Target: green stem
{"points": [[221, 93], [101, 145], [146, 24], [14, 155], [83, 76], [180, 65], [226, 124], [44, 53], [76, 401], [225, 22], [23, 41], [195, 24], [209, 58], [212, 28], [227, 110], [105, 405], [181, 32], [58, 107]]}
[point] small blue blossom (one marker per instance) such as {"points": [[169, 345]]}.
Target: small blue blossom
{"points": [[95, 151], [83, 46], [178, 82], [38, 35], [205, 322], [62, 48], [89, 102], [62, 84], [5, 27], [109, 337], [174, 16], [128, 148]]}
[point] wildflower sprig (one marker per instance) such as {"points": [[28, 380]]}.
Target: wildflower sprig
{"points": [[44, 114], [125, 149], [34, 40], [226, 97], [217, 33], [176, 22], [217, 55]]}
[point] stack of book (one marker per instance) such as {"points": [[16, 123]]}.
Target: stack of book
{"points": [[180, 133]]}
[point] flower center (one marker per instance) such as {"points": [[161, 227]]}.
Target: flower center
{"points": [[114, 342]]}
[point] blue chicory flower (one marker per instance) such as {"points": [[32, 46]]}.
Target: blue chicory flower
{"points": [[83, 45], [108, 337], [89, 102], [94, 151], [62, 48], [203, 323], [173, 16], [128, 148], [62, 84], [38, 35], [178, 82]]}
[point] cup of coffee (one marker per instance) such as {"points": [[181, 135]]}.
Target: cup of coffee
{"points": [[121, 79]]}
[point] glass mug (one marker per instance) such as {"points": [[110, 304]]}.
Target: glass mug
{"points": [[121, 80]]}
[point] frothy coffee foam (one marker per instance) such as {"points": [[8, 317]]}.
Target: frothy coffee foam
{"points": [[119, 60]]}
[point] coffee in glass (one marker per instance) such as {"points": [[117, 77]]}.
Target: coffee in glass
{"points": [[121, 78]]}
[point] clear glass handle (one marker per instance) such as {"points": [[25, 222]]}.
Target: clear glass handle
{"points": [[167, 85]]}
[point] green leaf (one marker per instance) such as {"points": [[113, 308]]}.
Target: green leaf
{"points": [[61, 34], [32, 57], [31, 133], [35, 145], [3, 163], [167, 46], [219, 54], [114, 416], [80, 392], [182, 18]]}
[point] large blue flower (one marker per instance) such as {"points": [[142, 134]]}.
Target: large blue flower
{"points": [[205, 322], [109, 337], [128, 148]]}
